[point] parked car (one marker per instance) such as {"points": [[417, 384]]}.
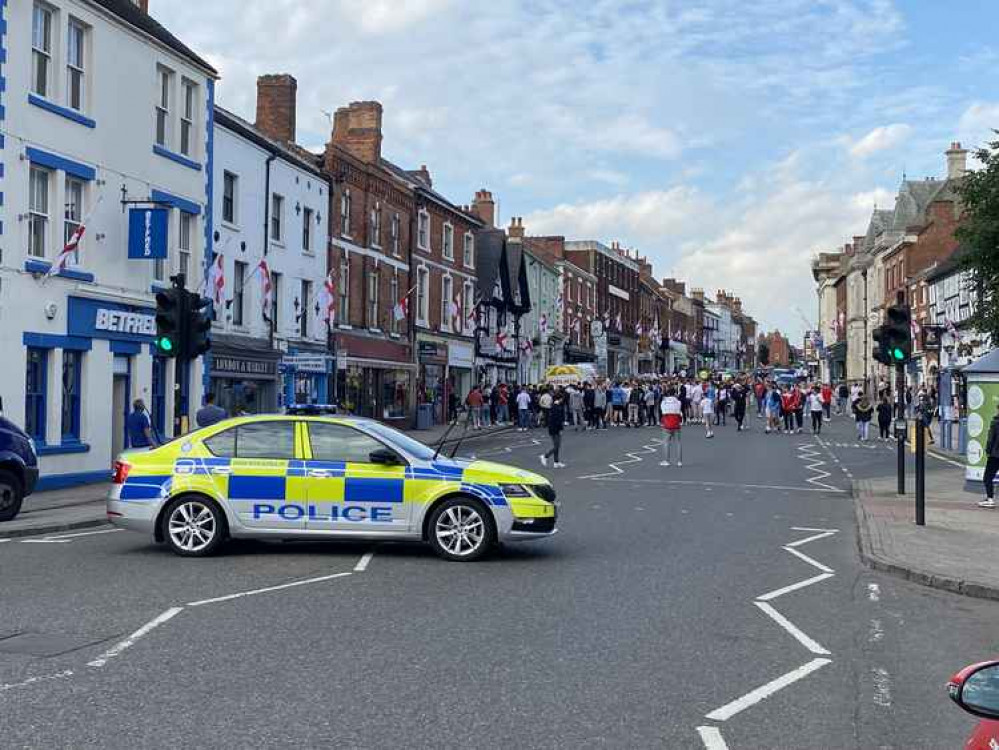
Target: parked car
{"points": [[976, 689], [18, 468]]}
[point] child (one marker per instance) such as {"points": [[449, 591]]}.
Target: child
{"points": [[708, 410], [671, 419]]}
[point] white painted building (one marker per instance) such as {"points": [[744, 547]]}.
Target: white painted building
{"points": [[100, 104], [256, 366]]}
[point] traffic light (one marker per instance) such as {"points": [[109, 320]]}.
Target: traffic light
{"points": [[899, 329], [199, 323], [880, 336], [169, 322]]}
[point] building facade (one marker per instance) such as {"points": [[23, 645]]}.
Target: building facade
{"points": [[72, 152]]}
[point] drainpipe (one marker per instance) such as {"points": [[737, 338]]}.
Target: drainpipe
{"points": [[267, 236]]}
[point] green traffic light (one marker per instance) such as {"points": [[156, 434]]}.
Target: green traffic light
{"points": [[164, 344], [897, 354]]}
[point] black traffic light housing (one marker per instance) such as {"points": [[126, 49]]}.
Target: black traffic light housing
{"points": [[170, 322], [880, 336], [199, 324], [899, 329]]}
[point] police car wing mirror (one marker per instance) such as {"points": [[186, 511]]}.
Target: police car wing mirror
{"points": [[384, 456]]}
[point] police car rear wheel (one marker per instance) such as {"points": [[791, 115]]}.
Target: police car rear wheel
{"points": [[461, 529], [193, 526]]}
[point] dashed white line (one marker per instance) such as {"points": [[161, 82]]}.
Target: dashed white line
{"points": [[765, 691], [771, 595], [4, 687], [362, 564], [873, 592], [882, 687], [876, 632], [712, 738], [793, 629], [268, 589], [103, 659], [67, 538]]}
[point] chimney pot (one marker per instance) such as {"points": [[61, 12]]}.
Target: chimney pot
{"points": [[276, 104], [484, 207], [957, 161], [357, 128]]}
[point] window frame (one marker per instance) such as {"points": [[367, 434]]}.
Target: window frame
{"points": [[275, 310], [396, 233], [39, 216], [76, 70], [72, 222], [305, 293], [239, 292], [468, 250], [371, 313], [252, 425], [345, 211], [184, 249], [231, 196], [376, 225], [188, 118], [447, 241], [36, 401], [422, 295], [74, 398], [42, 54], [307, 214], [343, 291], [319, 426], [276, 219], [394, 293], [447, 284], [164, 81], [423, 230], [467, 304]]}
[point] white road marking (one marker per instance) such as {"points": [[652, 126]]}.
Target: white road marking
{"points": [[4, 540], [765, 691], [362, 564], [806, 453], [103, 659], [771, 595], [814, 538], [609, 478], [809, 560], [268, 589], [64, 538], [649, 448], [876, 632], [873, 592], [712, 738], [793, 629], [938, 457], [810, 528], [4, 687], [882, 687]]}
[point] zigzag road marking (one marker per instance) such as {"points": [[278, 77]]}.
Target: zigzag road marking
{"points": [[711, 736], [807, 453], [508, 448], [633, 459]]}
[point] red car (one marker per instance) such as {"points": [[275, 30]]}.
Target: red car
{"points": [[976, 690]]}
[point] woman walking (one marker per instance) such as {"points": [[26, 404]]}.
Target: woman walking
{"points": [[739, 395], [815, 407], [884, 417], [556, 420], [862, 409]]}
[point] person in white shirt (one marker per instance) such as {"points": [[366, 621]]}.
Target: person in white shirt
{"points": [[707, 413], [696, 397], [815, 408], [671, 419], [523, 410]]}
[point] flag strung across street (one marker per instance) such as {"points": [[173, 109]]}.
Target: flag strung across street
{"points": [[543, 324], [327, 300], [266, 288]]}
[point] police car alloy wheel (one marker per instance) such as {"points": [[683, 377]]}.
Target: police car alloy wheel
{"points": [[461, 530], [193, 526]]}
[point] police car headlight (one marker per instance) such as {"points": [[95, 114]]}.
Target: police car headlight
{"points": [[515, 490]]}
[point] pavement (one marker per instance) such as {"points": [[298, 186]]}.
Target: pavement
{"points": [[82, 507], [956, 550], [716, 605]]}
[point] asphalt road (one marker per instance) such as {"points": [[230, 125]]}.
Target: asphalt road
{"points": [[651, 620]]}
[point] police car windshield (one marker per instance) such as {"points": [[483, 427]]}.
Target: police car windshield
{"points": [[414, 448]]}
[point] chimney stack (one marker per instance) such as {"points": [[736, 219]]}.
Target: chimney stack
{"points": [[276, 101], [484, 207], [423, 175], [516, 230], [357, 129], [957, 161]]}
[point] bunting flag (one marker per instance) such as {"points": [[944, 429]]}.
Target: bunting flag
{"points": [[617, 322], [638, 330], [951, 329], [543, 324], [501, 338], [327, 300], [453, 314], [400, 311], [266, 287], [655, 331], [527, 347], [216, 279], [914, 325]]}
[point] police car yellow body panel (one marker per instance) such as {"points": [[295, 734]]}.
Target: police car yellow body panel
{"points": [[341, 477]]}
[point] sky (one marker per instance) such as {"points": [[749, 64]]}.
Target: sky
{"points": [[727, 141]]}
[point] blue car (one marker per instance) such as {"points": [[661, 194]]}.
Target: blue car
{"points": [[18, 468]]}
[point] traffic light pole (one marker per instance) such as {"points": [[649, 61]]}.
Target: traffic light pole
{"points": [[900, 433], [920, 473]]}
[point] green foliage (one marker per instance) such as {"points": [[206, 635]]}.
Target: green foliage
{"points": [[979, 237]]}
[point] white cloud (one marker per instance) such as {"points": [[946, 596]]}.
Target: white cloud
{"points": [[389, 16], [646, 218], [879, 139], [977, 123]]}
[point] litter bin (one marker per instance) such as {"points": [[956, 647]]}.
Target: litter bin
{"points": [[424, 416]]}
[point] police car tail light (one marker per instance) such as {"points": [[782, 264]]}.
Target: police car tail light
{"points": [[120, 473]]}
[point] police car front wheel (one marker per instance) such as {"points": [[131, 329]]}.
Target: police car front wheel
{"points": [[461, 529], [193, 526]]}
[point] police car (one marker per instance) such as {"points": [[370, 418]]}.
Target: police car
{"points": [[285, 476]]}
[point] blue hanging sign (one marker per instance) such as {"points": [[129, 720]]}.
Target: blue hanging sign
{"points": [[147, 233]]}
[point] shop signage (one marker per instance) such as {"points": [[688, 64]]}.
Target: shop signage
{"points": [[99, 319], [306, 362], [222, 365], [460, 355], [431, 351], [147, 233], [617, 292]]}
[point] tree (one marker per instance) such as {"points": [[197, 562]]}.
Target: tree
{"points": [[979, 238]]}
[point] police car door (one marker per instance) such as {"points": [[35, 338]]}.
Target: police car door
{"points": [[348, 490], [266, 488]]}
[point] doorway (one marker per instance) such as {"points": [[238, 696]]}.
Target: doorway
{"points": [[120, 388]]}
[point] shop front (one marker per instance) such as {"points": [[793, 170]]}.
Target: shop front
{"points": [[461, 366], [621, 356], [432, 382], [306, 376], [375, 378], [244, 376]]}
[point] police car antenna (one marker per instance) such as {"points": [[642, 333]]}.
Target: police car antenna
{"points": [[457, 445], [443, 439]]}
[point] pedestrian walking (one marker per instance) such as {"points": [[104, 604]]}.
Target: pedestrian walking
{"points": [[696, 396], [722, 406], [502, 404], [707, 411], [589, 405], [739, 396], [863, 410], [925, 416], [826, 393], [991, 463], [884, 417], [138, 426], [556, 421], [636, 402], [576, 407], [650, 405], [842, 393], [815, 407], [787, 407], [671, 419], [545, 403], [773, 409], [760, 391]]}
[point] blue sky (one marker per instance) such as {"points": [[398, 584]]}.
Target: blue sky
{"points": [[728, 141]]}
